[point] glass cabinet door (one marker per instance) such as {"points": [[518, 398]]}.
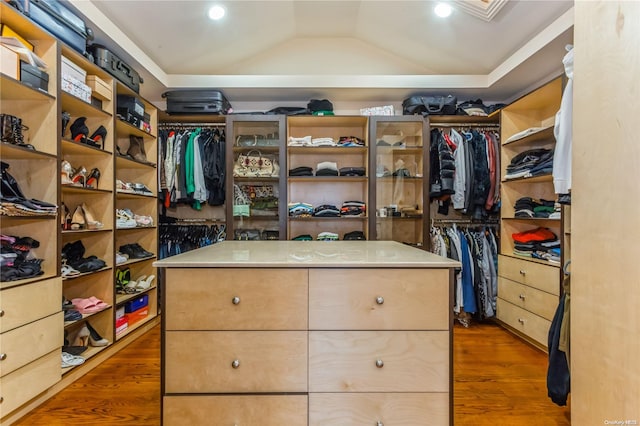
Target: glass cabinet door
{"points": [[399, 181], [255, 167]]}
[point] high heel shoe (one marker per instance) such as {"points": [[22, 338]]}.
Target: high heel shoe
{"points": [[93, 179], [79, 178], [79, 130], [78, 221], [90, 220], [145, 282], [66, 117], [136, 150], [82, 338], [65, 217], [99, 136], [94, 338], [66, 172]]}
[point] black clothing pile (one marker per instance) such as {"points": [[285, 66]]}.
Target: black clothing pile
{"points": [[301, 171], [530, 163], [353, 208], [16, 261], [73, 255], [326, 210], [532, 208]]}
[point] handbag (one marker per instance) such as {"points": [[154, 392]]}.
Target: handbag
{"points": [[270, 235], [241, 202], [258, 140], [429, 105], [246, 234], [254, 164]]}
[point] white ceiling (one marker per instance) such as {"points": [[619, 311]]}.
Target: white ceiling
{"points": [[366, 50]]}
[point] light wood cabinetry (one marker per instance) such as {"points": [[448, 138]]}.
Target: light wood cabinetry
{"points": [[299, 339], [327, 190], [528, 288], [400, 179], [141, 174]]}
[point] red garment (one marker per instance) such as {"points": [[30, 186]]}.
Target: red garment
{"points": [[538, 234]]}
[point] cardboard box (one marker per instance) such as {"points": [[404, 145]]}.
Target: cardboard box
{"points": [[120, 313], [76, 88], [7, 31], [69, 68], [9, 63], [121, 325], [100, 89], [136, 316], [136, 304]]}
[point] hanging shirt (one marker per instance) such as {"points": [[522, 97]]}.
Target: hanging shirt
{"points": [[563, 132]]}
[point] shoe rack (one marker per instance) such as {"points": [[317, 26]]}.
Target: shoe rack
{"points": [[87, 202], [334, 190], [136, 163], [30, 311]]}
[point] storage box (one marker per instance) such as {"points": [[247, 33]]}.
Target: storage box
{"points": [[131, 104], [136, 316], [137, 303], [7, 31], [100, 89], [9, 62], [121, 324], [120, 312], [132, 119], [34, 76], [69, 68], [76, 88]]}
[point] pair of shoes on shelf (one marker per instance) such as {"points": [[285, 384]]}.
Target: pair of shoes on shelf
{"points": [[11, 192], [69, 360], [125, 219], [123, 278], [141, 284], [80, 133], [134, 251], [83, 218], [89, 305], [133, 149], [79, 177], [88, 336], [121, 258], [67, 271]]}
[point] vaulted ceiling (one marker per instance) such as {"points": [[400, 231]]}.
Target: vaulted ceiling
{"points": [[365, 49]]}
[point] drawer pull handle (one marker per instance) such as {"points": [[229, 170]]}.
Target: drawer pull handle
{"points": [[1, 312], [521, 321], [523, 272], [379, 423], [235, 300], [379, 300], [522, 296], [1, 399], [379, 363], [3, 357], [235, 363]]}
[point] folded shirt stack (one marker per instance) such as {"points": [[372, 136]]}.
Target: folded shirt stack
{"points": [[352, 171], [300, 209], [350, 141], [530, 163], [353, 208], [327, 168], [327, 236], [533, 208], [303, 141], [301, 171], [326, 210], [538, 243], [323, 142], [354, 236]]}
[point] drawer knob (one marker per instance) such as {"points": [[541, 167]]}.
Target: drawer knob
{"points": [[523, 272], [379, 300], [235, 363], [521, 321], [379, 363], [1, 312], [1, 399], [3, 357], [378, 423], [522, 296], [235, 300]]}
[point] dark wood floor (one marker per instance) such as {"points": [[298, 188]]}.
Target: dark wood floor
{"points": [[498, 380]]}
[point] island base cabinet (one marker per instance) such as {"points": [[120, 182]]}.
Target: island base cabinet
{"points": [[224, 410], [407, 409]]}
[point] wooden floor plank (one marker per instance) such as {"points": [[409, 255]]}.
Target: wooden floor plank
{"points": [[498, 379]]}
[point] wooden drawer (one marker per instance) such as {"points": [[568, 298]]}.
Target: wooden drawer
{"points": [[524, 321], [378, 408], [345, 361], [42, 299], [269, 361], [24, 344], [542, 277], [412, 299], [263, 410], [268, 299], [27, 382], [533, 300]]}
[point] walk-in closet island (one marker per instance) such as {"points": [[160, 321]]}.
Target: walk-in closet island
{"points": [[307, 332]]}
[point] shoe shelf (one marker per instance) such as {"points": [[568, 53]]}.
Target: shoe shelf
{"points": [[88, 354], [130, 163], [13, 89], [9, 151], [80, 108], [83, 274], [72, 189], [134, 261], [124, 195], [76, 148], [85, 317]]}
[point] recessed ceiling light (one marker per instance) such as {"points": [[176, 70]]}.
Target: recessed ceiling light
{"points": [[442, 10], [216, 12]]}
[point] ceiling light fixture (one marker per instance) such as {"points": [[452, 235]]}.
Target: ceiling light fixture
{"points": [[442, 10], [216, 12]]}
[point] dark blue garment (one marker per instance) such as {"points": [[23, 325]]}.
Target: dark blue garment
{"points": [[558, 380], [468, 294]]}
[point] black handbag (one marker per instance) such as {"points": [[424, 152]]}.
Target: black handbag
{"points": [[246, 234], [429, 105]]}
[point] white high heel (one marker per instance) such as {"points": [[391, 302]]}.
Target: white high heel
{"points": [[145, 283]]}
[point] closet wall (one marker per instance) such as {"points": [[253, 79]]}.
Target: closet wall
{"points": [[605, 225]]}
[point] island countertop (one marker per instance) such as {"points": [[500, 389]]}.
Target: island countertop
{"points": [[304, 254]]}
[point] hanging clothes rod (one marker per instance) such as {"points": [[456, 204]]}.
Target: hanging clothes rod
{"points": [[465, 221], [465, 124], [192, 125]]}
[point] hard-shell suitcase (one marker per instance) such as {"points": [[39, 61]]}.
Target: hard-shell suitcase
{"points": [[198, 101], [115, 66], [54, 17]]}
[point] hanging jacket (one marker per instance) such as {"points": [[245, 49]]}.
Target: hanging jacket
{"points": [[442, 166]]}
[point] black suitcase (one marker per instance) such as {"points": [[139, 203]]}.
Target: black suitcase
{"points": [[109, 62], [58, 20], [198, 101]]}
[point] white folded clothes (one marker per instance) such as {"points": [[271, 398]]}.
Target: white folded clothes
{"points": [[323, 142], [327, 165], [303, 141]]}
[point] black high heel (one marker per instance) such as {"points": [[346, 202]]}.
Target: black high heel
{"points": [[93, 179], [79, 130], [66, 117], [99, 136]]}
